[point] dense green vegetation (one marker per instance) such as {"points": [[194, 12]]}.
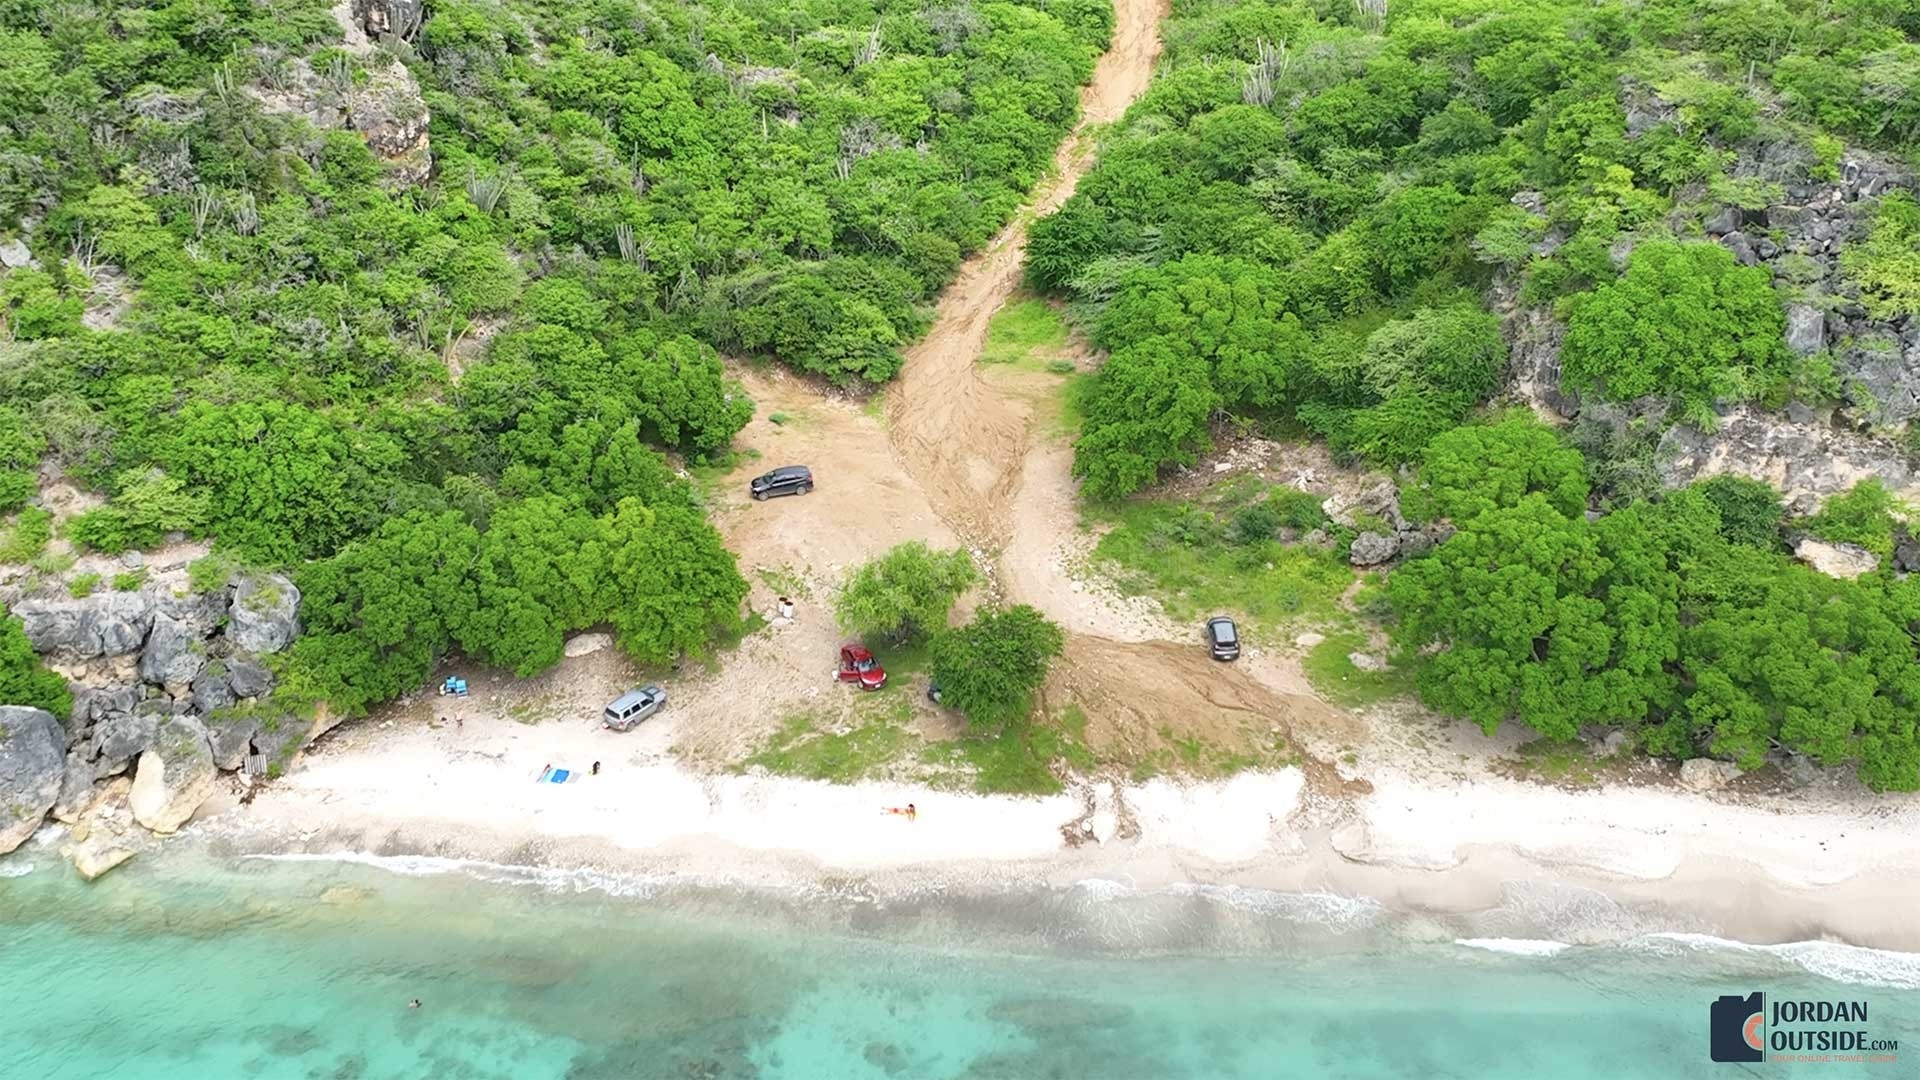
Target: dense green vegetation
{"points": [[1680, 618], [444, 396], [1297, 223], [23, 680], [1302, 226]]}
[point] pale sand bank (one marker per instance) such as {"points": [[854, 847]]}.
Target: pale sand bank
{"points": [[1769, 870]]}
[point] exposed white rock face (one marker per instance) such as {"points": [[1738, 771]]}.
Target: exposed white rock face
{"points": [[173, 778], [1836, 560], [1706, 774]]}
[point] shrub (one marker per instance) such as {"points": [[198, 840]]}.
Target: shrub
{"points": [[1684, 321], [905, 594]]}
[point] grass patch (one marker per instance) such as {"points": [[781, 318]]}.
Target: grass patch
{"points": [[55, 562], [532, 710], [1559, 762], [1198, 559], [803, 748], [1026, 332], [785, 581], [27, 536], [1336, 679], [210, 572], [83, 585], [129, 580], [1019, 760]]}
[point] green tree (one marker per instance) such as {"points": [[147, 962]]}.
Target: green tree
{"points": [[672, 585], [1542, 619], [1684, 321], [990, 668], [1863, 515], [1471, 470], [905, 594], [1750, 512], [23, 679], [1147, 408], [381, 612]]}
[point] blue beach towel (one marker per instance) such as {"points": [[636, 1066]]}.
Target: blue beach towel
{"points": [[559, 776]]}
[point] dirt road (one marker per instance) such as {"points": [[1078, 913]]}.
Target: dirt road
{"points": [[960, 439], [957, 458], [970, 445]]}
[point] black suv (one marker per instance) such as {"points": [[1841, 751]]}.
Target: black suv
{"points": [[1223, 638], [785, 480]]}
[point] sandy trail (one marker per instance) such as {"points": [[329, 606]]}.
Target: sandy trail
{"points": [[959, 438]]}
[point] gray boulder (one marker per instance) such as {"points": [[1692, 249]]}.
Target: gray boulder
{"points": [[1724, 222], [174, 654], [174, 777], [33, 758], [264, 615], [120, 737], [1372, 548], [200, 613], [105, 624], [1806, 329], [1379, 499], [231, 739], [212, 689], [1742, 249], [248, 677], [77, 791], [92, 704], [14, 254], [1706, 774], [1906, 551]]}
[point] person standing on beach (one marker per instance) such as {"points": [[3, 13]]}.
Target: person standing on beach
{"points": [[912, 814]]}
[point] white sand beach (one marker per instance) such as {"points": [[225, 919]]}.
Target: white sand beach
{"points": [[1795, 868]]}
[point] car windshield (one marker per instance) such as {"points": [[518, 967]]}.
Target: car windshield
{"points": [[1223, 633], [863, 665]]}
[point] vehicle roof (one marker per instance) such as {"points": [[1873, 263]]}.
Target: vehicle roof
{"points": [[1218, 619], [790, 470], [631, 697], [857, 649]]}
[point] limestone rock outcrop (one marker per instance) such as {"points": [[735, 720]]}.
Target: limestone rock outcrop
{"points": [[33, 758], [174, 777], [264, 617]]}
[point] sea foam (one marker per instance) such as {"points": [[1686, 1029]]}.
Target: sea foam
{"points": [[1853, 964], [1515, 946]]}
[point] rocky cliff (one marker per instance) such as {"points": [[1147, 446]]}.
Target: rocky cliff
{"points": [[167, 693], [1806, 450]]}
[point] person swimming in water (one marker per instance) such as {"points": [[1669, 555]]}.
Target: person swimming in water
{"points": [[414, 1004]]}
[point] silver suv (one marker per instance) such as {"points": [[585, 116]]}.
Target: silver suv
{"points": [[627, 710]]}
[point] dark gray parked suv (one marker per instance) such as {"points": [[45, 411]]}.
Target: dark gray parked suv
{"points": [[785, 480], [1223, 638]]}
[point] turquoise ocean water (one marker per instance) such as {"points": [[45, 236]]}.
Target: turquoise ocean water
{"points": [[194, 965]]}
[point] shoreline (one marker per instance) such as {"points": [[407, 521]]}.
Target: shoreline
{"points": [[1489, 858]]}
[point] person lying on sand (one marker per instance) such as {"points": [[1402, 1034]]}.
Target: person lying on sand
{"points": [[906, 811]]}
